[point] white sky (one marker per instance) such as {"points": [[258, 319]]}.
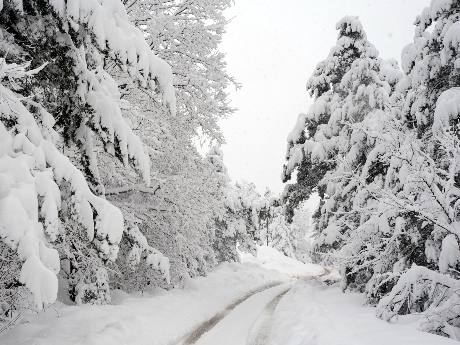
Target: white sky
{"points": [[272, 47]]}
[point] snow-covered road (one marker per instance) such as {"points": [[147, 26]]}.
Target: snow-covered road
{"points": [[194, 336], [245, 323], [259, 302], [307, 312], [156, 318]]}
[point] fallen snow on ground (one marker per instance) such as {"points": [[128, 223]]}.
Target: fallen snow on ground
{"points": [[272, 259], [237, 327], [314, 314], [310, 313], [157, 319]]}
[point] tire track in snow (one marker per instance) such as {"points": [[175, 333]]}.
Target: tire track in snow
{"points": [[263, 326], [261, 329], [193, 336]]}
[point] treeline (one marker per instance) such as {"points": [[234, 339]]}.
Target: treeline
{"points": [[101, 183], [381, 148]]}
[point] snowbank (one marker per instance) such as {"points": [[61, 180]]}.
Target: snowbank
{"points": [[311, 313], [272, 259]]}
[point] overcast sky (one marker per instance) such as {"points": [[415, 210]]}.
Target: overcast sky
{"points": [[272, 47]]}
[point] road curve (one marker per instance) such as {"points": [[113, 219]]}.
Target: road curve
{"points": [[247, 321]]}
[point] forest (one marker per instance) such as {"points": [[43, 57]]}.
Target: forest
{"points": [[113, 181]]}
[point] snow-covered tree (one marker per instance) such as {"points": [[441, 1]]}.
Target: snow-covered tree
{"points": [[391, 212], [266, 215], [75, 42], [275, 231], [330, 144], [57, 102], [13, 296], [240, 225], [301, 230], [428, 168], [281, 236], [315, 142], [362, 115], [176, 213], [187, 34]]}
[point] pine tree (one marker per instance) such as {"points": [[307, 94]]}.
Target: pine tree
{"points": [[398, 199], [361, 169], [57, 103], [335, 137], [313, 143], [426, 175]]}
